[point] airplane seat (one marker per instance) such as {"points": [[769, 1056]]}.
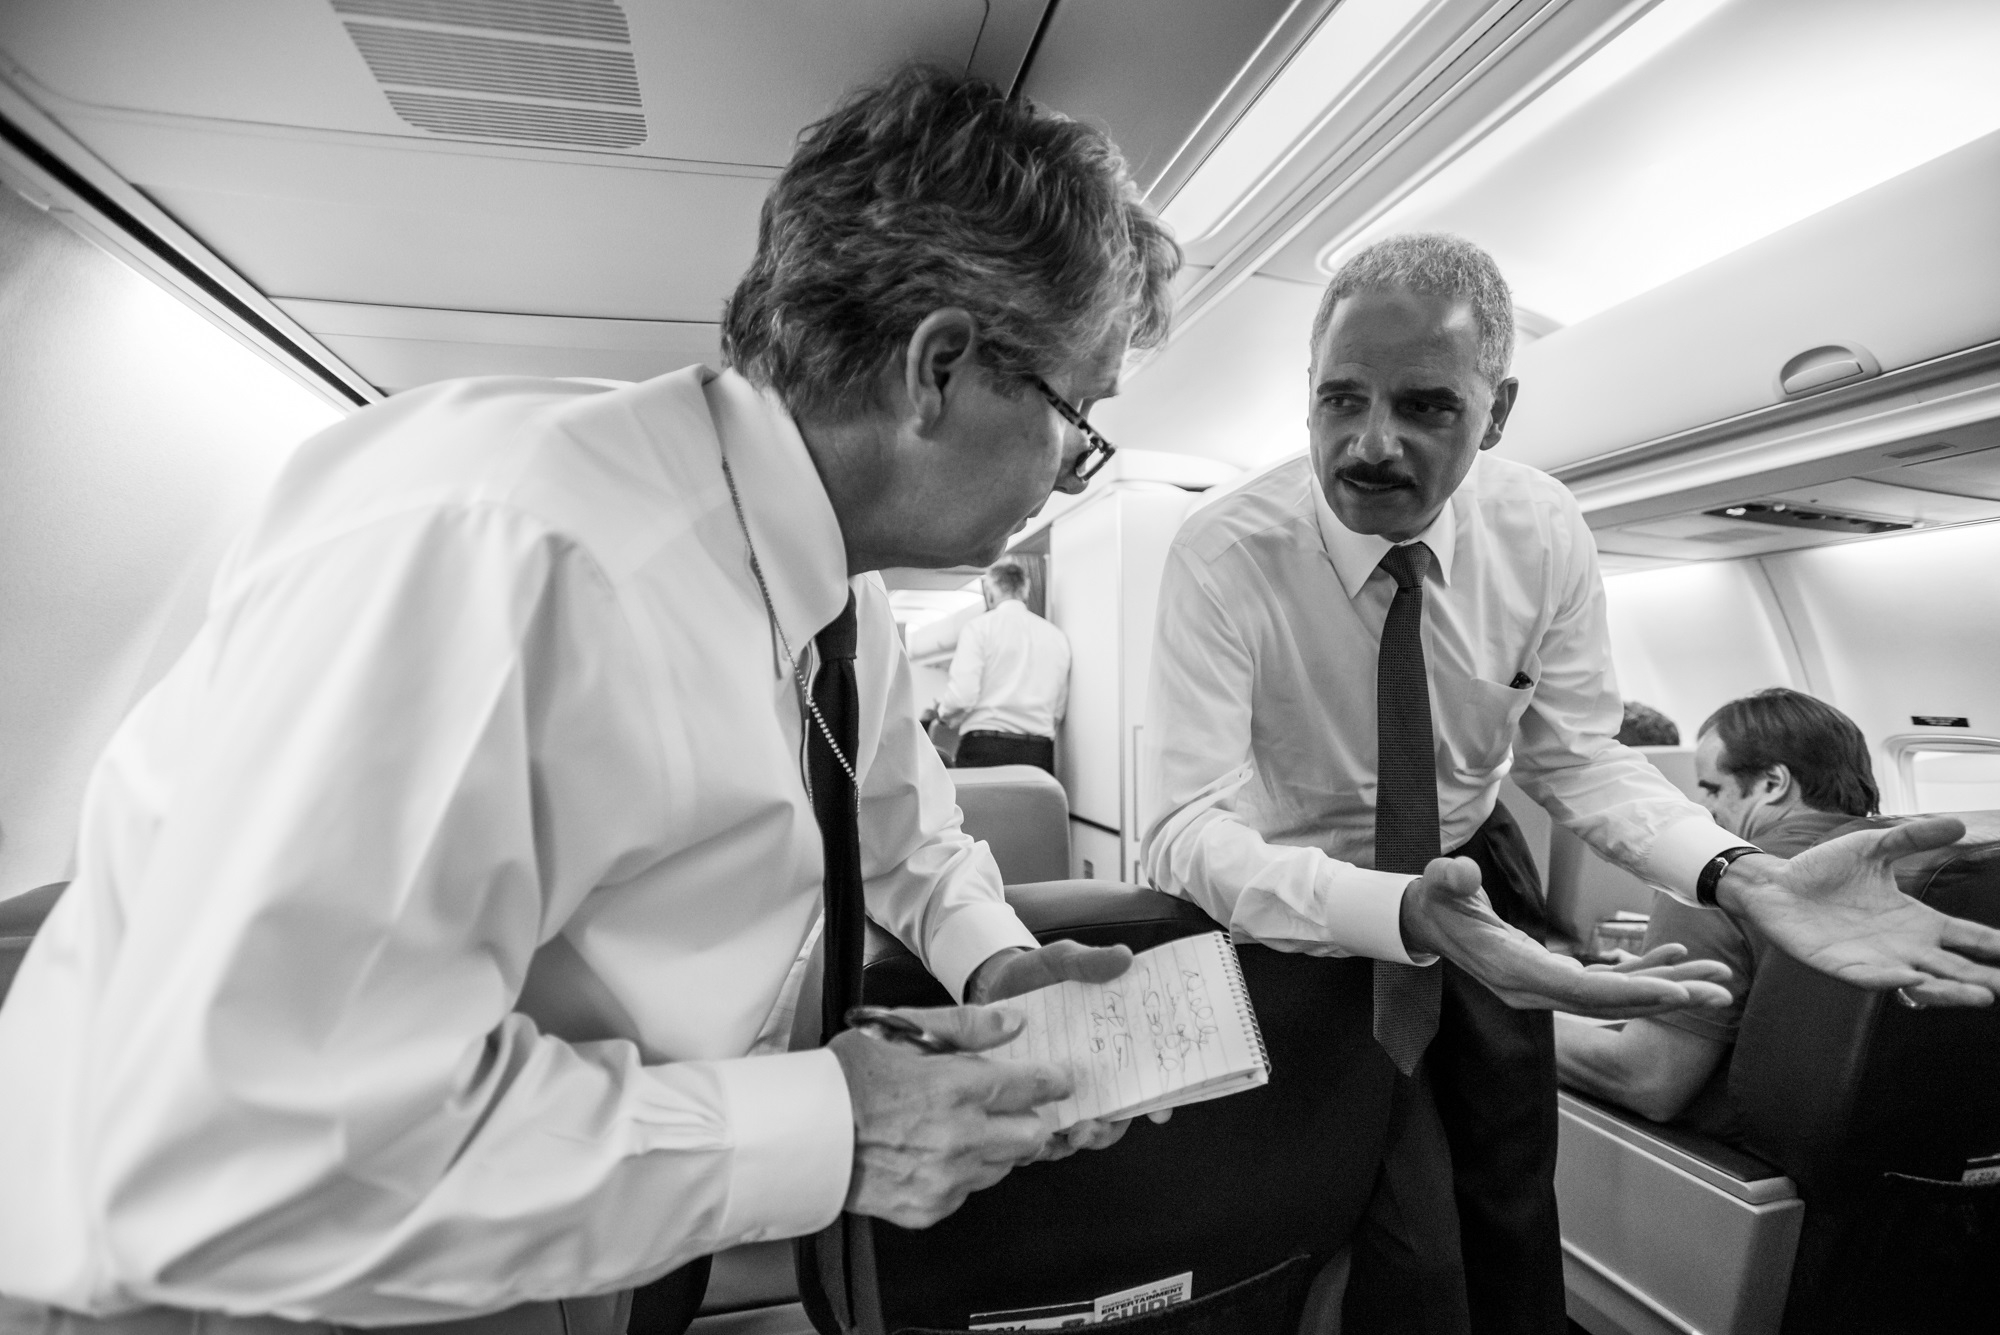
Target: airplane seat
{"points": [[1023, 815], [1897, 1149], [1584, 889], [20, 918], [1253, 1195]]}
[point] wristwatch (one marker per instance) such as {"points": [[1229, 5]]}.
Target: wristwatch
{"points": [[1711, 873]]}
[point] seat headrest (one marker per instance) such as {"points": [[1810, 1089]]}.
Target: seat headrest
{"points": [[1004, 776], [1981, 828]]}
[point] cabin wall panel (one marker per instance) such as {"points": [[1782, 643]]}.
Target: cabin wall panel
{"points": [[1686, 639], [1905, 625], [134, 439]]}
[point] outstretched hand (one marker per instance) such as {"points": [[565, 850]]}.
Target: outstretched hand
{"points": [[1014, 972], [1836, 908], [1445, 912]]}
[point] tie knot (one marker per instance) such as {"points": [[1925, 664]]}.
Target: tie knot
{"points": [[837, 640], [1407, 565]]}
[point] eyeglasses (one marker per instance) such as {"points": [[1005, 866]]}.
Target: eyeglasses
{"points": [[1097, 452]]}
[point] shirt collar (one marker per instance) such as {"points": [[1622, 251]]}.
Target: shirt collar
{"points": [[792, 523], [1355, 555]]}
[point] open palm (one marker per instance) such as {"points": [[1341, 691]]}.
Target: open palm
{"points": [[1445, 912], [1836, 908]]}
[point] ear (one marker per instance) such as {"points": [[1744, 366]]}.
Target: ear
{"points": [[1503, 404], [937, 354], [1777, 782]]}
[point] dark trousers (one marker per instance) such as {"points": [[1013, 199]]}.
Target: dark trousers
{"points": [[976, 749], [1490, 1074]]}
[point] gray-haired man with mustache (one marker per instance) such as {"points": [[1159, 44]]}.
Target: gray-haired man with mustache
{"points": [[1354, 649]]}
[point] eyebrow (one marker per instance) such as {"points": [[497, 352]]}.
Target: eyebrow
{"points": [[1437, 393]]}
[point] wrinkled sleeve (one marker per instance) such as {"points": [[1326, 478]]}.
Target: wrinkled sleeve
{"points": [[424, 742], [1197, 844], [928, 882], [1568, 758], [968, 667]]}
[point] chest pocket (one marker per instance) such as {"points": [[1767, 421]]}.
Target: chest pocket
{"points": [[1477, 718]]}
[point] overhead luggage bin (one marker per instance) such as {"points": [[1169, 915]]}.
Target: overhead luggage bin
{"points": [[1893, 278]]}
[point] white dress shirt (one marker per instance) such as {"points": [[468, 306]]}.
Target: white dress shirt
{"points": [[1009, 674], [426, 910], [1261, 720]]}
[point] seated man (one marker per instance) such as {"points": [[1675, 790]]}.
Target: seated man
{"points": [[1782, 770], [1009, 679]]}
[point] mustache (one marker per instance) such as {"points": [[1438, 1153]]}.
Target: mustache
{"points": [[1374, 475]]}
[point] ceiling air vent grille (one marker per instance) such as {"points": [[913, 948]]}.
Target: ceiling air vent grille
{"points": [[537, 71]]}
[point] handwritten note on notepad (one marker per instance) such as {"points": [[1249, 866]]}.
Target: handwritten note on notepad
{"points": [[1175, 1028]]}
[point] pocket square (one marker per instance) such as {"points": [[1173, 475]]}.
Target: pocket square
{"points": [[1522, 681]]}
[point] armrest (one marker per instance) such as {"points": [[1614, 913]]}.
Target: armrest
{"points": [[1741, 1174], [1665, 1230], [1096, 913]]}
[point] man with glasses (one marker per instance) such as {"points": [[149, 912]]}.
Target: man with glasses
{"points": [[428, 910]]}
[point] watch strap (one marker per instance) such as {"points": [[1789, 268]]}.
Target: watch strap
{"points": [[1705, 885]]}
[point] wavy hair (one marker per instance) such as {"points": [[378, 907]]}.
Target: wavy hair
{"points": [[931, 190]]}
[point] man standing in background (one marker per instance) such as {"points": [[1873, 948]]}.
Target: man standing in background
{"points": [[1009, 679]]}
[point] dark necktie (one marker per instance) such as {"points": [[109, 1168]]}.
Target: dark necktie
{"points": [[837, 706], [1406, 800]]}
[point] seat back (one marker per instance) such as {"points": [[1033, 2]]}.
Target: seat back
{"points": [[20, 918], [1889, 1120], [1584, 889], [1248, 1194], [1023, 815]]}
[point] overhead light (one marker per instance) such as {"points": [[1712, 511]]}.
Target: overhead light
{"points": [[1696, 148], [1314, 85]]}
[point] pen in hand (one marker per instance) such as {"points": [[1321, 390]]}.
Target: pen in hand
{"points": [[894, 1027]]}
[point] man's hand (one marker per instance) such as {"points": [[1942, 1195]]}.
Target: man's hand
{"points": [[1446, 913], [1836, 908], [930, 1130], [1009, 973]]}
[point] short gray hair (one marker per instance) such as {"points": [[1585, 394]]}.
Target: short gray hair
{"points": [[934, 190], [1009, 577], [1435, 264]]}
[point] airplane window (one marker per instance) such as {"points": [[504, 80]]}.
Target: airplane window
{"points": [[1954, 780]]}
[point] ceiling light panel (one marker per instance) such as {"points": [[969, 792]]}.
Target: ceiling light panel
{"points": [[1703, 127], [1312, 88]]}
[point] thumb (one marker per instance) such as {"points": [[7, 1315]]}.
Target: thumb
{"points": [[969, 1028], [1919, 836], [1459, 876], [1086, 964]]}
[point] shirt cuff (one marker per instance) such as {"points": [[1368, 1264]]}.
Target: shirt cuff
{"points": [[1363, 912], [968, 938], [792, 1137], [1681, 850]]}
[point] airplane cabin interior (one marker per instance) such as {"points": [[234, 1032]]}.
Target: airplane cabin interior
{"points": [[1754, 252]]}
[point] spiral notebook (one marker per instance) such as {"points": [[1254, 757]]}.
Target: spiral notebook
{"points": [[1176, 1028]]}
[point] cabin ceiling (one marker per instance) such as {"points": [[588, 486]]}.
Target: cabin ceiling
{"points": [[398, 191], [414, 189]]}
